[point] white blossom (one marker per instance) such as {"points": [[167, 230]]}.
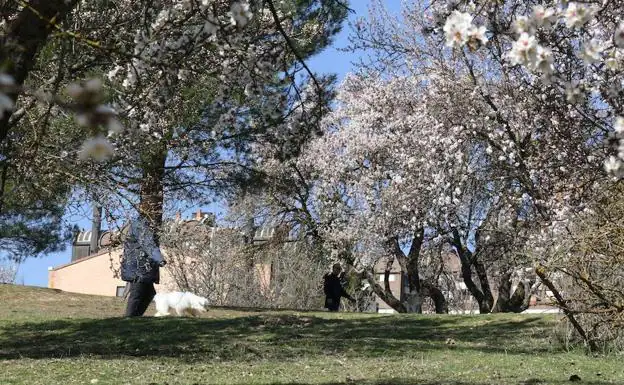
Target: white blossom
{"points": [[6, 80], [577, 15], [618, 37], [612, 165], [187, 4], [161, 20], [613, 61], [6, 104], [211, 27], [591, 50], [544, 61], [205, 4], [114, 126], [113, 73], [457, 29], [98, 148], [545, 17], [477, 37], [240, 13], [619, 125], [87, 94], [573, 93], [524, 50], [522, 24]]}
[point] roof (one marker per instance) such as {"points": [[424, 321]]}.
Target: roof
{"points": [[99, 253]]}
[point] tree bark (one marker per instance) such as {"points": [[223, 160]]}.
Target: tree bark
{"points": [[483, 296], [152, 190], [519, 301], [488, 297], [508, 302], [439, 301], [384, 294], [504, 293], [413, 271]]}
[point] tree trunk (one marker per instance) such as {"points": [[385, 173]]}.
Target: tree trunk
{"points": [[415, 295], [519, 301], [488, 298], [466, 269], [96, 227], [26, 35], [468, 260], [385, 294], [152, 191], [441, 306], [412, 301], [504, 293], [508, 303]]}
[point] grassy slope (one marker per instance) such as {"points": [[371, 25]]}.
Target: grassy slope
{"points": [[49, 337]]}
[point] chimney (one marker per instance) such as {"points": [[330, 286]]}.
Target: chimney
{"points": [[95, 229], [178, 217], [198, 215]]}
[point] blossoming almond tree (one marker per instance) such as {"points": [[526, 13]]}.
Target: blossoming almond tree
{"points": [[379, 148], [571, 52], [540, 89]]}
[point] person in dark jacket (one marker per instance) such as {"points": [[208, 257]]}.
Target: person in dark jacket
{"points": [[333, 288], [140, 266]]}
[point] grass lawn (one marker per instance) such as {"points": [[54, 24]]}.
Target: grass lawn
{"points": [[49, 337]]}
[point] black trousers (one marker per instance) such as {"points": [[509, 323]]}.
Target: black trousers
{"points": [[141, 294], [332, 304]]}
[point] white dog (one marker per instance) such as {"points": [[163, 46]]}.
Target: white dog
{"points": [[183, 303]]}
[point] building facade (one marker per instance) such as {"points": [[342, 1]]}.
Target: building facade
{"points": [[96, 256]]}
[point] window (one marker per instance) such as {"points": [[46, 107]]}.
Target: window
{"points": [[120, 291], [391, 278]]}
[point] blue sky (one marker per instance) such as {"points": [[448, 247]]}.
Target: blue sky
{"points": [[35, 271]]}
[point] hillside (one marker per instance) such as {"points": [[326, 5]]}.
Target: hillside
{"points": [[50, 337]]}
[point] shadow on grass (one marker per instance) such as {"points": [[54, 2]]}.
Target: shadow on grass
{"points": [[270, 336], [411, 381]]}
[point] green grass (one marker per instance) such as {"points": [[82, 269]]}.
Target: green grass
{"points": [[49, 337]]}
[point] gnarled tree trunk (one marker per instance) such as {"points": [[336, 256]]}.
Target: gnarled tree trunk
{"points": [[512, 303], [468, 260], [410, 302]]}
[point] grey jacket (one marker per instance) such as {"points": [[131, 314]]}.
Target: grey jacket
{"points": [[141, 254]]}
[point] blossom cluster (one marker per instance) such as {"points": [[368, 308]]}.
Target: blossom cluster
{"points": [[459, 31], [185, 38], [86, 105], [370, 166], [548, 38]]}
